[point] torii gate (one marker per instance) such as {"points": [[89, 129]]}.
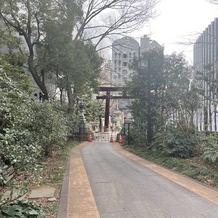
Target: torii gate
{"points": [[108, 96]]}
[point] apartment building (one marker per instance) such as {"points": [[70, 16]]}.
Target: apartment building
{"points": [[124, 51]]}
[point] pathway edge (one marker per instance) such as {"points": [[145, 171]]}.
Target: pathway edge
{"points": [[209, 193]]}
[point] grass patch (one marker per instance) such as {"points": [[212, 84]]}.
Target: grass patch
{"points": [[52, 175], [55, 166], [194, 168]]}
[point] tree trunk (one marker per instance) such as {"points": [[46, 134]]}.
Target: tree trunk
{"points": [[70, 98], [34, 73], [61, 96]]}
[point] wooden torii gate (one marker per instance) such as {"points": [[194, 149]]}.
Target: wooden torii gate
{"points": [[108, 96]]}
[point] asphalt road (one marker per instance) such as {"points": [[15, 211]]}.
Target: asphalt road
{"points": [[123, 188]]}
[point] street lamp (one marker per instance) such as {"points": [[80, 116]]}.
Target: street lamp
{"points": [[143, 65]]}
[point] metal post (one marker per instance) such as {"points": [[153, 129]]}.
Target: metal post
{"points": [[128, 133], [107, 111], [149, 122], [100, 124]]}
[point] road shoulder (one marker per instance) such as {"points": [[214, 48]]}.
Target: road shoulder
{"points": [[208, 193]]}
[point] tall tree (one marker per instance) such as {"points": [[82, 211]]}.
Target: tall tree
{"points": [[162, 90], [181, 94], [74, 65], [51, 24], [27, 18]]}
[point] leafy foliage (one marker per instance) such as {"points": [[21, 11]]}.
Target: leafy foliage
{"points": [[77, 72], [18, 149], [147, 97], [29, 130], [12, 70], [138, 133], [48, 126], [72, 124], [176, 142], [171, 97], [92, 108], [210, 148], [22, 209]]}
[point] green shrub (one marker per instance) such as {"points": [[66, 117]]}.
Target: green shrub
{"points": [[72, 124], [176, 142], [138, 134], [29, 130], [22, 209], [48, 126], [210, 149], [18, 149]]}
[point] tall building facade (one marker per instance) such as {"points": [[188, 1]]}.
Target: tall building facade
{"points": [[206, 62], [123, 52]]}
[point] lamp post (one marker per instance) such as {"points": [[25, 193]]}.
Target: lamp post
{"points": [[149, 122], [144, 65]]}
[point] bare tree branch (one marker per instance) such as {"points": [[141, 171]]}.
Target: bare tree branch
{"points": [[105, 17], [213, 1]]}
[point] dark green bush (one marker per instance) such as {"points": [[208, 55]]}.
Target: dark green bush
{"points": [[176, 142], [72, 124], [29, 130], [22, 209], [210, 153], [48, 126], [138, 134], [18, 149]]}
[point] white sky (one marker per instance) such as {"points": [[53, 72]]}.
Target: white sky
{"points": [[179, 21]]}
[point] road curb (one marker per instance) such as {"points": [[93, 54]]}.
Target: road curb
{"points": [[76, 197], [63, 199]]}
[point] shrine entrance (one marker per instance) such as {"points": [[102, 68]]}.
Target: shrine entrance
{"points": [[108, 97]]}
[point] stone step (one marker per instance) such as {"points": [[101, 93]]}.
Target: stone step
{"points": [[42, 192]]}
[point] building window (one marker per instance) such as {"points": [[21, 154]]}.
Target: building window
{"points": [[119, 55], [130, 55], [124, 64], [124, 71], [124, 55]]}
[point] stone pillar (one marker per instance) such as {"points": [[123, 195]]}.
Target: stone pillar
{"points": [[83, 125]]}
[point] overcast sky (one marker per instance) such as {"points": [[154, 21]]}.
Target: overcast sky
{"points": [[180, 21]]}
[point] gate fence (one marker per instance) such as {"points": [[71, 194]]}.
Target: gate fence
{"points": [[96, 136], [104, 136]]}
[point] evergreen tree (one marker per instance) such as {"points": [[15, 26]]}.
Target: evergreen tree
{"points": [[163, 93]]}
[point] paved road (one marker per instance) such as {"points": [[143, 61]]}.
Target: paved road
{"points": [[124, 188]]}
